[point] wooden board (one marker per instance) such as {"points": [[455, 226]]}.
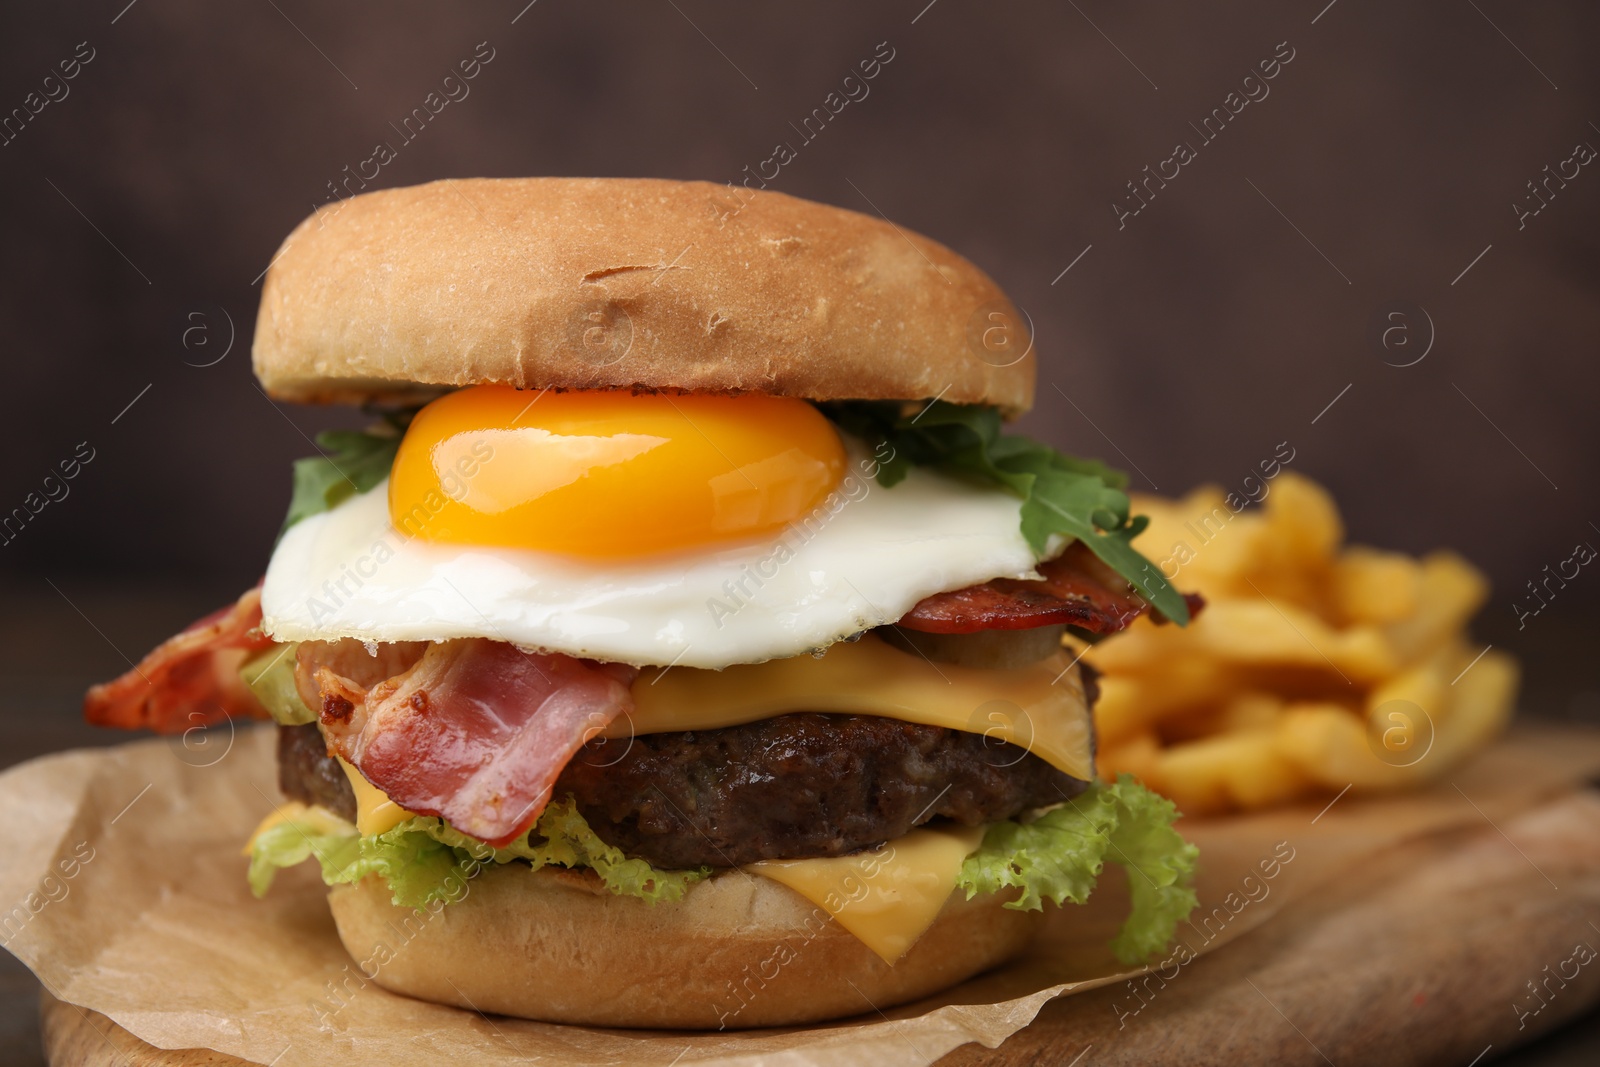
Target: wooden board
{"points": [[1431, 966], [78, 1037]]}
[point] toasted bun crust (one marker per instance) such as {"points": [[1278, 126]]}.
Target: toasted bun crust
{"points": [[601, 283], [738, 951]]}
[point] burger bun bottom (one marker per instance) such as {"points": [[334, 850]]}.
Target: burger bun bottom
{"points": [[737, 951]]}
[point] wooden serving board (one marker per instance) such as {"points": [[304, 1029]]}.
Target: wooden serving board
{"points": [[1431, 962], [77, 1036]]}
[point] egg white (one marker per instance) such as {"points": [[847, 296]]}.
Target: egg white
{"points": [[863, 558]]}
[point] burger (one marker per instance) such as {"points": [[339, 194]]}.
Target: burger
{"points": [[685, 644]]}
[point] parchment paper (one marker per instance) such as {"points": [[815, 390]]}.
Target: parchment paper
{"points": [[123, 889]]}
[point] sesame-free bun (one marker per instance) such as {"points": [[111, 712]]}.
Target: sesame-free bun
{"points": [[597, 283], [737, 951]]}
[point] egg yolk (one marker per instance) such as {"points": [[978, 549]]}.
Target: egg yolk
{"points": [[610, 474]]}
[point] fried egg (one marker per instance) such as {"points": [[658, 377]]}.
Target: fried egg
{"points": [[700, 531]]}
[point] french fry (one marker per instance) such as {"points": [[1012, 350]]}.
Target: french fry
{"points": [[1481, 703], [1371, 586], [1139, 756], [1452, 590], [1329, 745], [1195, 776], [1262, 632], [1202, 537], [1312, 668], [1296, 550], [1365, 654], [1228, 771], [1337, 749], [1405, 714], [1261, 777], [1251, 712], [1305, 520], [1143, 646], [1119, 714], [1132, 703]]}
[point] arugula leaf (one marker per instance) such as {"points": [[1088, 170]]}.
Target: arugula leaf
{"points": [[1060, 494], [352, 461], [1059, 855], [423, 859]]}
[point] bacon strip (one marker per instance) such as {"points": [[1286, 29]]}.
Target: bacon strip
{"points": [[474, 731], [351, 667], [190, 679], [1078, 589]]}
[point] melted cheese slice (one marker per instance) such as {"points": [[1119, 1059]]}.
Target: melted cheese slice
{"points": [[375, 812], [1039, 707], [887, 897]]}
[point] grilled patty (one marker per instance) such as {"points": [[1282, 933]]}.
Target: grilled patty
{"points": [[791, 787], [308, 774]]}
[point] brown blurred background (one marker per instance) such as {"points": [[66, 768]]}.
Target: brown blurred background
{"points": [[1380, 170]]}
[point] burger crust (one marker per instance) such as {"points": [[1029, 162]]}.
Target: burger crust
{"points": [[738, 951], [617, 283]]}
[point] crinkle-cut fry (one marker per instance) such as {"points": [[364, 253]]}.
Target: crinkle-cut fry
{"points": [[1365, 654], [1120, 712], [1312, 667], [1375, 587], [1304, 520], [1204, 538], [1139, 756], [1142, 646], [1399, 739], [1299, 590], [1262, 632], [1249, 712], [1337, 748], [1329, 745], [1237, 770], [1452, 590], [1282, 550], [1176, 521], [1293, 560], [1257, 632], [1481, 702], [1132, 703], [1405, 713]]}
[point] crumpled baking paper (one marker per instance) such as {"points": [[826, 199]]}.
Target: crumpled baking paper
{"points": [[122, 887]]}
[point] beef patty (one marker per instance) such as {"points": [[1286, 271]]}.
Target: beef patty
{"points": [[308, 774], [794, 786]]}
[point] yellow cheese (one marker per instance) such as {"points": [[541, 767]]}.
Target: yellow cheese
{"points": [[887, 897], [1040, 707], [375, 812], [317, 819]]}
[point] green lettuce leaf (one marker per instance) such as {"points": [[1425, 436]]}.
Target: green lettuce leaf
{"points": [[1059, 855], [291, 843], [424, 859], [352, 461], [1060, 494], [269, 674]]}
